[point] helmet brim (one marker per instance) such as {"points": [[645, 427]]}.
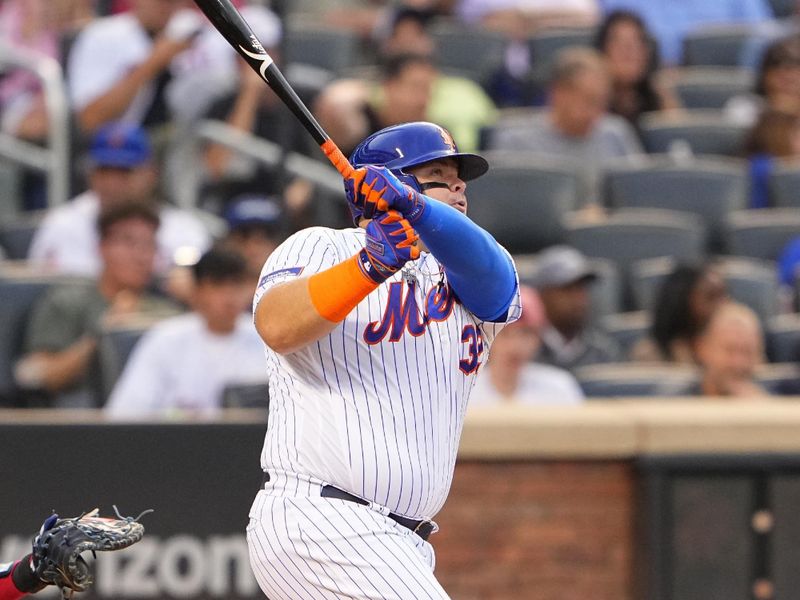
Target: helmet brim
{"points": [[471, 166]]}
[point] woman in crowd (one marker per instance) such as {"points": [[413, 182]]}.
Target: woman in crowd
{"points": [[775, 138], [685, 302], [632, 60], [777, 84]]}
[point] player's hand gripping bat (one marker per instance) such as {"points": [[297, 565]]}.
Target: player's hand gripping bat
{"points": [[227, 20]]}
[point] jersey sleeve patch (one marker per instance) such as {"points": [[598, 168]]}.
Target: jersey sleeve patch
{"points": [[280, 273]]}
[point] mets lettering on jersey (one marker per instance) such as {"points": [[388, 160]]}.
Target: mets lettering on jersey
{"points": [[403, 315], [376, 407]]}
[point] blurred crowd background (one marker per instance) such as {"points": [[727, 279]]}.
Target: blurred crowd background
{"points": [[644, 175]]}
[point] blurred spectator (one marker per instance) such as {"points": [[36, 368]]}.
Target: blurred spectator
{"points": [[36, 25], [777, 84], [411, 89], [775, 138], [520, 18], [406, 31], [61, 337], [348, 110], [729, 349], [121, 170], [185, 362], [683, 305], [119, 66], [576, 124], [255, 228], [510, 376], [562, 277], [789, 275], [671, 20], [632, 60], [211, 72], [252, 107]]}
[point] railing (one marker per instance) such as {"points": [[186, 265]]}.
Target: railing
{"points": [[188, 177], [52, 160]]}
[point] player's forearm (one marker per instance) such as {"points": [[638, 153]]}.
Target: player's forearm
{"points": [[287, 320], [479, 270]]}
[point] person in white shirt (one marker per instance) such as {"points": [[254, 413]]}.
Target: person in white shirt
{"points": [[185, 363], [510, 376], [160, 61], [121, 170]]}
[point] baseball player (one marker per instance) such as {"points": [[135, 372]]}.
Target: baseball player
{"points": [[374, 336]]}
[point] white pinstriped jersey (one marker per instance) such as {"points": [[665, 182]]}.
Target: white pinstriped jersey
{"points": [[377, 406]]}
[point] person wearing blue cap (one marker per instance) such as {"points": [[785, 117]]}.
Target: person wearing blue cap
{"points": [[255, 227], [121, 170]]}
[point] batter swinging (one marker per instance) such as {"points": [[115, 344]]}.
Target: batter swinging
{"points": [[374, 335]]}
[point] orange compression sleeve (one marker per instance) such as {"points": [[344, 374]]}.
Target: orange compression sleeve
{"points": [[336, 291]]}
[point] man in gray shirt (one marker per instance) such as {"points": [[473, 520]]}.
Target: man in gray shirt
{"points": [[62, 334], [576, 124]]}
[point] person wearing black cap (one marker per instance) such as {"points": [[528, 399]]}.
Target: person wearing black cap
{"points": [[562, 277]]}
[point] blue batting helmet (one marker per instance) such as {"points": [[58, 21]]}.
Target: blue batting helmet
{"points": [[411, 144]]}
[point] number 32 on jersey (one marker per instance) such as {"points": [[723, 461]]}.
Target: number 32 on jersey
{"points": [[473, 340]]}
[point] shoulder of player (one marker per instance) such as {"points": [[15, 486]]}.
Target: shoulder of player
{"points": [[334, 238]]}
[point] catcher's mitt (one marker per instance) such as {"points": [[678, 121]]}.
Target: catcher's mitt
{"points": [[56, 557]]}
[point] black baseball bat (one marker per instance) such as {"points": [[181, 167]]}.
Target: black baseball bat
{"points": [[230, 23]]}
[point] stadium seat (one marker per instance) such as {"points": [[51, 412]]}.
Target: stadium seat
{"points": [[710, 188], [775, 377], [522, 200], [471, 53], [702, 131], [749, 281], [10, 189], [545, 46], [783, 338], [508, 119], [761, 233], [253, 395], [626, 328], [332, 49], [20, 289], [16, 234], [635, 379], [114, 349], [784, 186], [628, 235], [710, 87], [718, 45], [605, 291]]}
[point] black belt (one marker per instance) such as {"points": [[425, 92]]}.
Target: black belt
{"points": [[422, 528]]}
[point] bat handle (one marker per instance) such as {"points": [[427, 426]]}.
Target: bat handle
{"points": [[337, 158]]}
